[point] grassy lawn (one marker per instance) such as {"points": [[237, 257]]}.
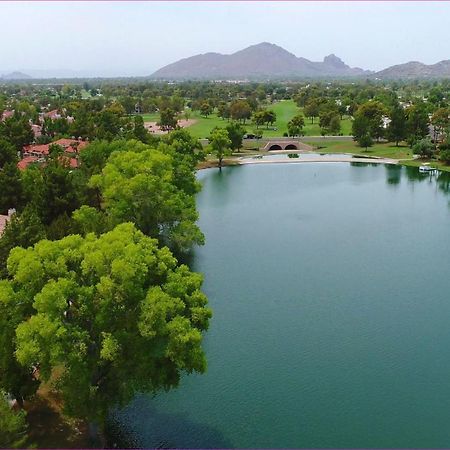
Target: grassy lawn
{"points": [[284, 110], [384, 150]]}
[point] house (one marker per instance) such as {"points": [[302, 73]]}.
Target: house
{"points": [[37, 130], [39, 153], [6, 115], [27, 160]]}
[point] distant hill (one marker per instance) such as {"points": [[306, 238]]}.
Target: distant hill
{"points": [[415, 69], [261, 61], [15, 76]]}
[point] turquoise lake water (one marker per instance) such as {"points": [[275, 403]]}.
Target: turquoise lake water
{"points": [[330, 286]]}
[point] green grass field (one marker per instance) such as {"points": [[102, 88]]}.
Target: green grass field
{"points": [[384, 150], [284, 110]]}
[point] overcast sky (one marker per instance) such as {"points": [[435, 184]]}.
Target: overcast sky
{"points": [[136, 38]]}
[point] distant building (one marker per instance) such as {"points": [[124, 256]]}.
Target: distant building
{"points": [[35, 154], [6, 115]]}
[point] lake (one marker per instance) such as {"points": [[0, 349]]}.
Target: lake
{"points": [[330, 288]]}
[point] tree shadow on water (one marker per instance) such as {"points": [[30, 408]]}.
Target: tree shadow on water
{"points": [[143, 426]]}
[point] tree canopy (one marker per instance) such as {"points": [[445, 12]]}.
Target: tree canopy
{"points": [[115, 314]]}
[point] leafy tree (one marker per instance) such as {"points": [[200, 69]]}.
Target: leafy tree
{"points": [[168, 119], [220, 144], [312, 109], [417, 123], [22, 230], [295, 125], [13, 427], [259, 118], [98, 300], [17, 131], [270, 117], [424, 148], [236, 134], [10, 187], [139, 131], [440, 121], [8, 154], [223, 110], [240, 110], [139, 185], [397, 128], [360, 128], [329, 122], [365, 141], [206, 109], [444, 152], [373, 112]]}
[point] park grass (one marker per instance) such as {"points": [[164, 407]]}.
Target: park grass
{"points": [[285, 110], [380, 150]]}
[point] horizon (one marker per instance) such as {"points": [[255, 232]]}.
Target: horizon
{"points": [[122, 44]]}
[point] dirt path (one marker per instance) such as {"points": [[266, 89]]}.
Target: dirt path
{"points": [[155, 129]]}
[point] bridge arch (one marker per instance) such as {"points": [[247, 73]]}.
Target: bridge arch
{"points": [[291, 147], [275, 147]]}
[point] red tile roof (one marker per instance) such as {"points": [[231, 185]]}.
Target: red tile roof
{"points": [[25, 162]]}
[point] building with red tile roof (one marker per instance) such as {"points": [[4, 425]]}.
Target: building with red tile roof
{"points": [[6, 115], [38, 153], [26, 161]]}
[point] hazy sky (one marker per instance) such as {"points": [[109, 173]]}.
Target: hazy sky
{"points": [[136, 38]]}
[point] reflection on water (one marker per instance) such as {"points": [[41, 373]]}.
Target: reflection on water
{"points": [[329, 285]]}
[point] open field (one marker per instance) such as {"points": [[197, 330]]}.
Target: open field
{"points": [[284, 110], [382, 150]]}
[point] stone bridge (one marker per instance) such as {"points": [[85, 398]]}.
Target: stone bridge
{"points": [[286, 144]]}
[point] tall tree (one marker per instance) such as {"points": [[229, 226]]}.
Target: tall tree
{"points": [[140, 185], [295, 125], [13, 427], [397, 128], [220, 144], [96, 301], [236, 134]]}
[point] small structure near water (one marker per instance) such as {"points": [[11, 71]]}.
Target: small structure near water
{"points": [[286, 144]]}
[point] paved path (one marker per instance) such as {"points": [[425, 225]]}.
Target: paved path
{"points": [[315, 159]]}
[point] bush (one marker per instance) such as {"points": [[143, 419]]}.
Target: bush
{"points": [[424, 148]]}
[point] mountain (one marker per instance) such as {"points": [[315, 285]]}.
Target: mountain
{"points": [[15, 76], [261, 61], [415, 69]]}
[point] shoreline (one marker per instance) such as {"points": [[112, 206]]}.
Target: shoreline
{"points": [[337, 159]]}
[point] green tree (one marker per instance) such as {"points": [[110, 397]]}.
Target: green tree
{"points": [[240, 110], [206, 109], [295, 125], [10, 188], [417, 123], [361, 131], [168, 119], [424, 148], [397, 128], [365, 141], [373, 112], [139, 185], [312, 109], [17, 131], [13, 427], [236, 134], [98, 300], [329, 122], [22, 230], [220, 144], [8, 153]]}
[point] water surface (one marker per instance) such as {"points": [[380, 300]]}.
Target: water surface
{"points": [[330, 289]]}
